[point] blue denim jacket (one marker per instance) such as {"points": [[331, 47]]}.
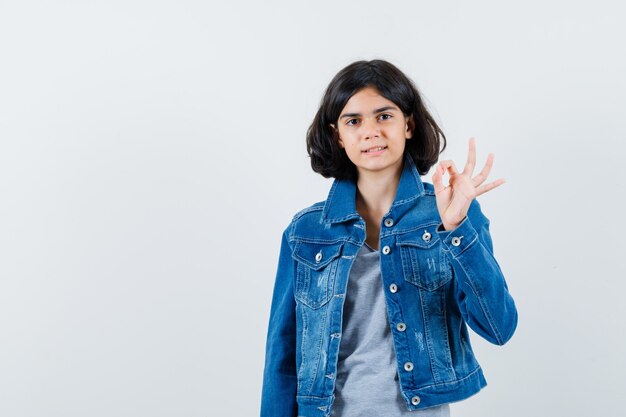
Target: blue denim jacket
{"points": [[435, 282]]}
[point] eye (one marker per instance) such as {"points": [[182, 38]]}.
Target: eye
{"points": [[349, 122], [386, 116]]}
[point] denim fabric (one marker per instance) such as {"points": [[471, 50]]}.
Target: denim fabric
{"points": [[436, 282]]}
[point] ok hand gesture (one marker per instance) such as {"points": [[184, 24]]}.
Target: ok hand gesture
{"points": [[453, 200]]}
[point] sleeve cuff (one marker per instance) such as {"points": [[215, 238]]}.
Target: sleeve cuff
{"points": [[457, 240]]}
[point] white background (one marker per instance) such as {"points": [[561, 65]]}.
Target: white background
{"points": [[152, 152]]}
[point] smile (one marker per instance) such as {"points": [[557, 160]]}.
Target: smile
{"points": [[375, 149]]}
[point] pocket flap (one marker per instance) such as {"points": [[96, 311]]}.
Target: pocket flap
{"points": [[317, 255], [424, 237]]}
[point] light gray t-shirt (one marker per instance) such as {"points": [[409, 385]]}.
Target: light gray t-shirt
{"points": [[367, 374]]}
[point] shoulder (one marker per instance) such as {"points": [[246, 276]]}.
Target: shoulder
{"points": [[305, 218], [314, 209]]}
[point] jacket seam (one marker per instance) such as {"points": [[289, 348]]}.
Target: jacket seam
{"points": [[457, 381], [307, 240], [311, 208]]}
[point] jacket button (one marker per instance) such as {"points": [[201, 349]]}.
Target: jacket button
{"points": [[393, 288], [388, 222], [408, 366], [456, 241], [401, 327], [426, 236], [386, 250], [415, 400], [318, 257]]}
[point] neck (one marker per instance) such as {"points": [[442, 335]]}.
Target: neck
{"points": [[376, 191]]}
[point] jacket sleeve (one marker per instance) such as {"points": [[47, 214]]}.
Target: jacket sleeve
{"points": [[481, 290], [279, 377]]}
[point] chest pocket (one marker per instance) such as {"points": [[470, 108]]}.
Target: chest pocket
{"points": [[316, 271], [424, 262]]}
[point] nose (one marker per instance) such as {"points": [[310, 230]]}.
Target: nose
{"points": [[370, 128]]}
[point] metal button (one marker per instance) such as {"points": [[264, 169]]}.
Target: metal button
{"points": [[386, 250], [426, 236], [415, 400], [401, 327], [408, 366], [388, 222], [393, 288], [456, 241], [318, 257]]}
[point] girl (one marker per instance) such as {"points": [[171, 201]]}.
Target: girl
{"points": [[376, 285]]}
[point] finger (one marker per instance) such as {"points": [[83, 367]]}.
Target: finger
{"points": [[484, 173], [438, 179], [471, 158], [488, 187], [448, 164]]}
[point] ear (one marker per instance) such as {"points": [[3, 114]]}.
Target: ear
{"points": [[410, 127], [336, 135]]}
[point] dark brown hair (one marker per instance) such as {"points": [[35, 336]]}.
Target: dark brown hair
{"points": [[329, 159]]}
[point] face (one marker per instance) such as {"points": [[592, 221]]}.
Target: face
{"points": [[373, 131]]}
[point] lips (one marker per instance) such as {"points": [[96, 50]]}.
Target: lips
{"points": [[374, 149]]}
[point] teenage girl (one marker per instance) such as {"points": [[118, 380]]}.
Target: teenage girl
{"points": [[376, 285]]}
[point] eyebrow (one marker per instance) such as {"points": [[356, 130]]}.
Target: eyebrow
{"points": [[374, 112]]}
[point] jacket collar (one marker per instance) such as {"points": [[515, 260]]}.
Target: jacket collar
{"points": [[340, 204]]}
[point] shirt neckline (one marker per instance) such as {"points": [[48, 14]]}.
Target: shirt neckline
{"points": [[371, 249]]}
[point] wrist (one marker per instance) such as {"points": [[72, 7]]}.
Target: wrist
{"points": [[449, 226]]}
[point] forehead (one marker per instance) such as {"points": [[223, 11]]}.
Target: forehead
{"points": [[366, 99]]}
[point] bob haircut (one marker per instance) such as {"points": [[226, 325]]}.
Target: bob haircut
{"points": [[329, 159]]}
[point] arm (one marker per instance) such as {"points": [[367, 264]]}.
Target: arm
{"points": [[481, 290], [280, 376]]}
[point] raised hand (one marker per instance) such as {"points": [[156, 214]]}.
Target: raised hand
{"points": [[454, 199]]}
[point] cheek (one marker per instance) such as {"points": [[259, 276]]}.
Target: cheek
{"points": [[353, 150]]}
